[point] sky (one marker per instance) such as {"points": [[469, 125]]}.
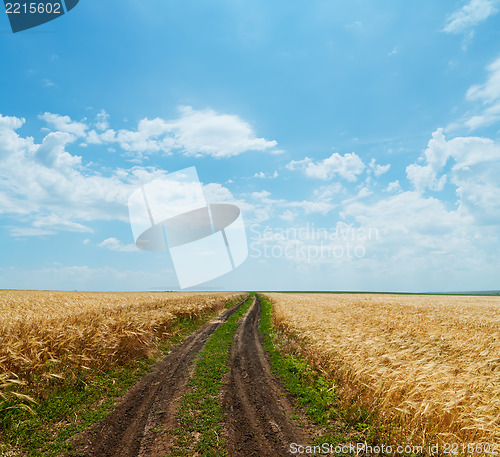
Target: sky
{"points": [[360, 140]]}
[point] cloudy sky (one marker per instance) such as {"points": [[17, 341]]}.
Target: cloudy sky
{"points": [[361, 141]]}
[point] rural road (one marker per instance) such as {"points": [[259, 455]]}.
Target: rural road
{"points": [[256, 411]]}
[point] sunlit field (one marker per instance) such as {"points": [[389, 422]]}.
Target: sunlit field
{"points": [[424, 368], [53, 335]]}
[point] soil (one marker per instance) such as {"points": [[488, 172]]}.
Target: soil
{"points": [[256, 409]]}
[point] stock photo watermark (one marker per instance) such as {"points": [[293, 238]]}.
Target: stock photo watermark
{"points": [[363, 448], [27, 14], [206, 240], [310, 243]]}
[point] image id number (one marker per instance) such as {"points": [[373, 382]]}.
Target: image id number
{"points": [[33, 8]]}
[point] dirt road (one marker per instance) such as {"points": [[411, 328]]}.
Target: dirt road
{"points": [[257, 413]]}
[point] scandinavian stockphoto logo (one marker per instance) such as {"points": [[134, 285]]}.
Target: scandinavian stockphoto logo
{"points": [[205, 240], [27, 14]]}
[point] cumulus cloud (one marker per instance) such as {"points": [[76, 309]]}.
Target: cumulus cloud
{"points": [[348, 166], [55, 190], [436, 155], [194, 133], [52, 153], [405, 212], [220, 135], [11, 143], [471, 14], [475, 162], [52, 188], [393, 186], [64, 124]]}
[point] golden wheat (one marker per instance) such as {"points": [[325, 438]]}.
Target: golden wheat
{"points": [[427, 367], [51, 335]]}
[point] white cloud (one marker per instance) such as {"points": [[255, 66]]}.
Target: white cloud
{"points": [[288, 216], [362, 193], [56, 190], [262, 194], [329, 192], [406, 212], [490, 90], [108, 136], [471, 14], [379, 170], [194, 133], [393, 186], [411, 226], [473, 172], [220, 135], [102, 122], [465, 151], [310, 207], [10, 142], [348, 166], [436, 155], [53, 188], [263, 175], [55, 222], [64, 124], [52, 153], [488, 94], [114, 244], [260, 206]]}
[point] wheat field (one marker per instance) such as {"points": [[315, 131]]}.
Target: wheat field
{"points": [[426, 367], [47, 335]]}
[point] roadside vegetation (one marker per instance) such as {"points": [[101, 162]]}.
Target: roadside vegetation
{"points": [[200, 412], [65, 357], [313, 392]]}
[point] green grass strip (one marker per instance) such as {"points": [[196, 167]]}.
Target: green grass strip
{"points": [[72, 406], [312, 391], [201, 410]]}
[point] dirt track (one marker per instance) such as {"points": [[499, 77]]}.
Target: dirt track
{"points": [[257, 413]]}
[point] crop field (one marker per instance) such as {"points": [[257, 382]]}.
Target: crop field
{"points": [[424, 368], [51, 335]]}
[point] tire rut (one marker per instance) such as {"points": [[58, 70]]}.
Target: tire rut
{"points": [[256, 408], [129, 429]]}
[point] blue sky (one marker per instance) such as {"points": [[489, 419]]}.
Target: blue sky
{"points": [[361, 141]]}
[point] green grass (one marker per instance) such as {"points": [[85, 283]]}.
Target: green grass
{"points": [[72, 405], [312, 391], [201, 410]]}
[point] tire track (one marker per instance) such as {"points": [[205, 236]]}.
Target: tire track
{"points": [[129, 430], [257, 409]]}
